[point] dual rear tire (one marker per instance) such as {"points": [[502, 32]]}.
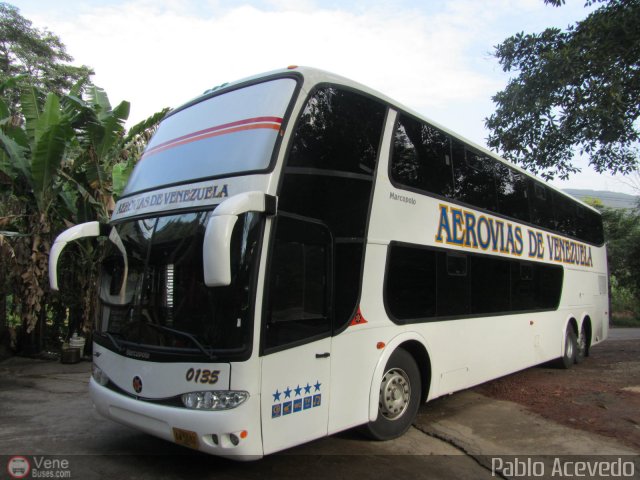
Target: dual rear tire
{"points": [[576, 348]]}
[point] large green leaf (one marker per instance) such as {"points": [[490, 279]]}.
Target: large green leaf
{"points": [[146, 124], [31, 100], [96, 176], [77, 111], [120, 176], [99, 100], [112, 130], [50, 115], [46, 160], [13, 159]]}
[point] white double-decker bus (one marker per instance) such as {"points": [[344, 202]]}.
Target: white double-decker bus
{"points": [[296, 255]]}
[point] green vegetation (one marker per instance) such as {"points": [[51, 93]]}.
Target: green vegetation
{"points": [[622, 234], [64, 157], [576, 90]]}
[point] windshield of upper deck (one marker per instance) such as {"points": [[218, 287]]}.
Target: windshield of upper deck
{"points": [[231, 133]]}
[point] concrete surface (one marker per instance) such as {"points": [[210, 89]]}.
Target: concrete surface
{"points": [[479, 425], [624, 334], [45, 410]]}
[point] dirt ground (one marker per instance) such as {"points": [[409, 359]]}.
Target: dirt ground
{"points": [[600, 395]]}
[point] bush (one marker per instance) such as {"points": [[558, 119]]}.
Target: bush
{"points": [[625, 306]]}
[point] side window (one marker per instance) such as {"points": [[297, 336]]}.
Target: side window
{"points": [[422, 157], [589, 226], [490, 284], [548, 288], [535, 286], [329, 177], [298, 301], [338, 130], [473, 177], [411, 283], [541, 205], [511, 187], [422, 283], [566, 214], [453, 284], [523, 286]]}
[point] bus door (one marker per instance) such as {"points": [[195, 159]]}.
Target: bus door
{"points": [[296, 335]]}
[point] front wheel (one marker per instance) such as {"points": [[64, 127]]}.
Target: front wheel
{"points": [[399, 398]]}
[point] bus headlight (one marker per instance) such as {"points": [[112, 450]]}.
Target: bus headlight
{"points": [[99, 376], [217, 400]]}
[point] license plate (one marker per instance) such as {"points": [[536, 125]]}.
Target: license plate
{"points": [[186, 438]]}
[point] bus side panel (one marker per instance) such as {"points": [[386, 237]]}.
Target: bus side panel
{"points": [[353, 358]]}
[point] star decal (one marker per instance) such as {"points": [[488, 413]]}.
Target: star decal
{"points": [[298, 390], [307, 389], [276, 396], [287, 393], [317, 386]]}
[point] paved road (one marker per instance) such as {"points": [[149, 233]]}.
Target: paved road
{"points": [[624, 334], [45, 410]]}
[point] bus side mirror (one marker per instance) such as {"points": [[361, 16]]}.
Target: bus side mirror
{"points": [[216, 250], [84, 230]]}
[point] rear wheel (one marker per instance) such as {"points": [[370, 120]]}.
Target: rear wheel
{"points": [[399, 397], [570, 348], [582, 347]]}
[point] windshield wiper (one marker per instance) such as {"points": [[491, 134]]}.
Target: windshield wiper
{"points": [[195, 341], [119, 347]]}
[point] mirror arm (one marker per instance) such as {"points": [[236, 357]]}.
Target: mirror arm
{"points": [[247, 202], [83, 230], [216, 250]]}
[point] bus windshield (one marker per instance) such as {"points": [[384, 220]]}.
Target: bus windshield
{"points": [[234, 132], [152, 290]]}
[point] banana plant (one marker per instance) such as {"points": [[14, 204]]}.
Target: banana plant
{"points": [[32, 150], [63, 159]]}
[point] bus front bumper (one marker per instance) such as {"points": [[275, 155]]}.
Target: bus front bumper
{"points": [[231, 433]]}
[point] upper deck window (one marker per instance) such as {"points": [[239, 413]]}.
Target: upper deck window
{"points": [[231, 133]]}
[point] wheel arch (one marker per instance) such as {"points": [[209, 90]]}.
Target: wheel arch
{"points": [[571, 320], [416, 346]]}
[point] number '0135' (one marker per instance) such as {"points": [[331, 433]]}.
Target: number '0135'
{"points": [[202, 376]]}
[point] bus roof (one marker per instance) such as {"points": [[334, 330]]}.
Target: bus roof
{"points": [[313, 76]]}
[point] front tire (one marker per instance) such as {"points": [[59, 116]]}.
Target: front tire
{"points": [[399, 398]]}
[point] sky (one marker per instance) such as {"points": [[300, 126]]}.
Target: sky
{"points": [[434, 56]]}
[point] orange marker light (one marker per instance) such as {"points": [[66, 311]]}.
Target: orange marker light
{"points": [[292, 67], [243, 434], [380, 345]]}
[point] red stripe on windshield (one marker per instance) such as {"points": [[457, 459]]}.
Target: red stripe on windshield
{"points": [[237, 126]]}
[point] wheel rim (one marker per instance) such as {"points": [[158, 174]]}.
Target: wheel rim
{"points": [[395, 392], [568, 347]]}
